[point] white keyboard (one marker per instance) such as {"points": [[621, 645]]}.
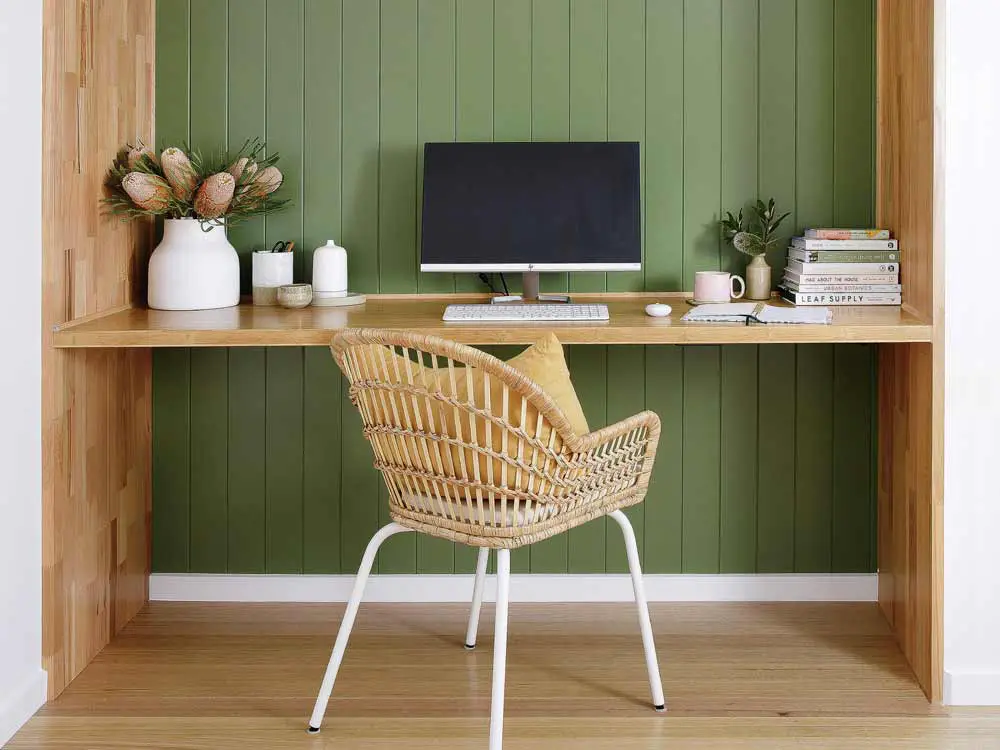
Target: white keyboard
{"points": [[515, 313]]}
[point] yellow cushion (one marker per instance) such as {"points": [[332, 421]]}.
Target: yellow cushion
{"points": [[543, 362]]}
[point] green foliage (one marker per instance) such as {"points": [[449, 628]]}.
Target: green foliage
{"points": [[755, 234], [246, 202]]}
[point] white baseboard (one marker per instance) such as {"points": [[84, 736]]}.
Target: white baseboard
{"points": [[532, 587], [17, 707], [971, 688]]}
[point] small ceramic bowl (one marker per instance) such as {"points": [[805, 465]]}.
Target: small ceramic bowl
{"points": [[295, 295]]}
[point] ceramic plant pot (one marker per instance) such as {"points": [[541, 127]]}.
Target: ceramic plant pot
{"points": [[758, 279], [192, 269]]}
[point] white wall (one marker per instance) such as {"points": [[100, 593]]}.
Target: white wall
{"points": [[972, 352], [22, 680]]}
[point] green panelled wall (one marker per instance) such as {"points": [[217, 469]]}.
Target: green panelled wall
{"points": [[765, 464]]}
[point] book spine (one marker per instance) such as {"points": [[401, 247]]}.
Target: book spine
{"points": [[844, 288], [816, 269], [842, 278], [809, 298], [843, 256], [847, 234], [807, 243]]}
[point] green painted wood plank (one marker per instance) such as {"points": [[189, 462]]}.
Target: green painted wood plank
{"points": [[321, 462], [853, 438], [701, 457], [284, 120], [814, 116], [209, 43], [512, 82], [664, 501], [247, 540], [776, 118], [283, 467], [474, 87], [626, 397], [854, 113], [813, 457], [321, 171], [588, 95], [739, 115], [247, 108], [397, 200], [776, 459], [171, 460], [627, 100], [397, 147], [436, 120], [209, 458], [550, 91], [360, 128], [588, 367], [738, 528], [172, 49], [702, 136], [664, 147], [360, 482]]}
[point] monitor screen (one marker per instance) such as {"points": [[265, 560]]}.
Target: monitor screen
{"points": [[531, 206]]}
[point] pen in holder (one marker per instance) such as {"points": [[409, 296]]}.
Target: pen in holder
{"points": [[270, 271]]}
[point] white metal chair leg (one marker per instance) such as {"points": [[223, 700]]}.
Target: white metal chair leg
{"points": [[655, 687], [367, 560], [477, 597], [500, 649]]}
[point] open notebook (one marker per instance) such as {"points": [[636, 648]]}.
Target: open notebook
{"points": [[757, 312]]}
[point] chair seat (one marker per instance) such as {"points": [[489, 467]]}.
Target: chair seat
{"points": [[522, 527]]}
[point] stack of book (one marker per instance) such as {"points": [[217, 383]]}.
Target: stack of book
{"points": [[842, 267]]}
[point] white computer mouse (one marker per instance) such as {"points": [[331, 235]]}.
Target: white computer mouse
{"points": [[657, 310]]}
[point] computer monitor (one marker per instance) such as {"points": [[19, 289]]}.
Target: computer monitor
{"points": [[531, 207]]}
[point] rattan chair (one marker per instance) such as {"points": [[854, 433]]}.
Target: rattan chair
{"points": [[473, 451]]}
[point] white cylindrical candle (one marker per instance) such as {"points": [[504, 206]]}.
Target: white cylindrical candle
{"points": [[329, 271]]}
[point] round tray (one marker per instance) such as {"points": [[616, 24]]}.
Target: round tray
{"points": [[352, 298]]}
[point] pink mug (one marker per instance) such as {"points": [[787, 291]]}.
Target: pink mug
{"points": [[717, 286]]}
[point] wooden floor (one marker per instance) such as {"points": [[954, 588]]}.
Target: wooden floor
{"points": [[736, 676]]}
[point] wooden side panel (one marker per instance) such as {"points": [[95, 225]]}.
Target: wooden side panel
{"points": [[910, 375], [97, 94]]}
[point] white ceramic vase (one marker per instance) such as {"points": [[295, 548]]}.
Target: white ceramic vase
{"points": [[192, 269]]}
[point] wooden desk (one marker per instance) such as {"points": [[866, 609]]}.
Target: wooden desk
{"points": [[314, 326]]}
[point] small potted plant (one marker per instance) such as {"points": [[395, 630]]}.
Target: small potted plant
{"points": [[753, 237], [194, 267]]}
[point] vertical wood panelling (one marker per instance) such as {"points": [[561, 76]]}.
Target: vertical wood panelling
{"points": [[663, 264], [730, 99], [209, 429], [97, 93], [283, 459], [246, 107], [702, 135], [247, 461], [436, 106]]}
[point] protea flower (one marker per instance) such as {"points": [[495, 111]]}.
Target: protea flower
{"points": [[179, 172], [266, 182], [237, 167], [215, 195], [147, 191], [135, 154]]}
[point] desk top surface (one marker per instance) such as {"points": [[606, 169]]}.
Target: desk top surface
{"points": [[247, 325]]}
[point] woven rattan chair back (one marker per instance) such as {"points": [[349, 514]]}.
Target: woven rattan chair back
{"points": [[473, 450]]}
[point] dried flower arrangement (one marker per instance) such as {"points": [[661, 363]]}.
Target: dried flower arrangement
{"points": [[183, 184]]}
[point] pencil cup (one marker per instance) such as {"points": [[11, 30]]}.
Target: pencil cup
{"points": [[270, 271]]}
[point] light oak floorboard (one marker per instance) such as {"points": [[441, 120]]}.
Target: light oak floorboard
{"points": [[736, 676]]}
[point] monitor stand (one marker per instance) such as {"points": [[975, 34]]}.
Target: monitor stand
{"points": [[529, 290]]}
